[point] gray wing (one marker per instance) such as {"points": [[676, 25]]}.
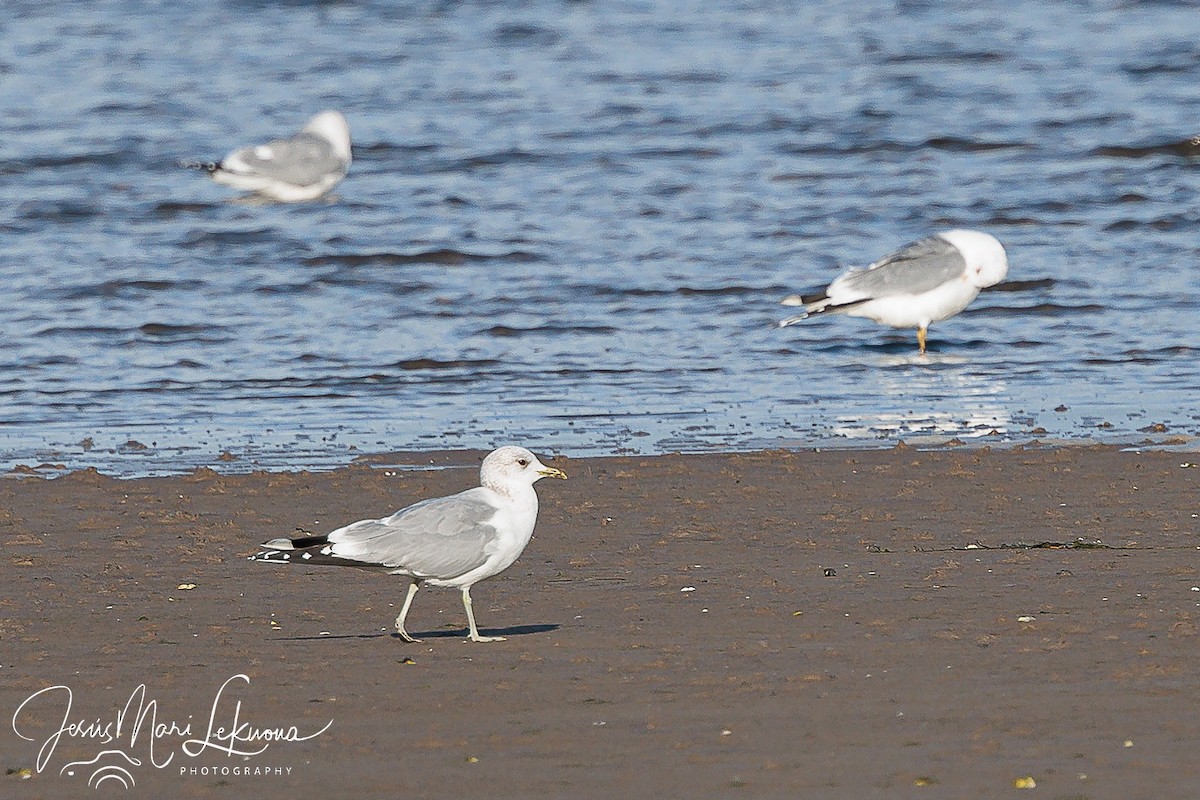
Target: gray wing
{"points": [[438, 538], [915, 268], [301, 160]]}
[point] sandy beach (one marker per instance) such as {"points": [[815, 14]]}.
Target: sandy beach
{"points": [[957, 623]]}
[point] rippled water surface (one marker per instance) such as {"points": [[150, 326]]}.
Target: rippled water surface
{"points": [[570, 224]]}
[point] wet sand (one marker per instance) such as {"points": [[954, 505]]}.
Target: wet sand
{"points": [[781, 624]]}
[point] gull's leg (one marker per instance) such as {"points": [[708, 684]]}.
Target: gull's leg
{"points": [[412, 592], [474, 635], [921, 331]]}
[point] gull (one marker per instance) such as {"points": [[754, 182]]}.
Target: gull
{"points": [[301, 167], [927, 281], [444, 541]]}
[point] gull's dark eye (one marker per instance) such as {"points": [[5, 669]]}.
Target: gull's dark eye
{"points": [[524, 462]]}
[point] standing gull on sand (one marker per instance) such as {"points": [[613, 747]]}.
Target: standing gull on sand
{"points": [[445, 541], [927, 281], [301, 167]]}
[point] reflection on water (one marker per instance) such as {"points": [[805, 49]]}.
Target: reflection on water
{"points": [[942, 396]]}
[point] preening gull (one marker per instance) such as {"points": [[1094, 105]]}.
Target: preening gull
{"points": [[929, 280], [444, 541], [301, 167]]}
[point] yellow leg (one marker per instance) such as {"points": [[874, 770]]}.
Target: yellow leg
{"points": [[475, 637], [921, 331], [412, 592]]}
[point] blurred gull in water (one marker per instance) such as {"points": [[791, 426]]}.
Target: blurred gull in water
{"points": [[301, 167], [444, 541], [929, 280]]}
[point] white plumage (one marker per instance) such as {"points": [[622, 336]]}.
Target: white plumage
{"points": [[301, 167], [929, 280], [444, 541]]}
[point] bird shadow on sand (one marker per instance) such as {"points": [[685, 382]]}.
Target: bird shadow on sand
{"points": [[379, 635], [451, 633], [461, 633]]}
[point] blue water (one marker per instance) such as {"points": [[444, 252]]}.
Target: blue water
{"points": [[569, 225]]}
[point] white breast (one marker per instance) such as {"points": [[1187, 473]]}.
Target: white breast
{"points": [[912, 311]]}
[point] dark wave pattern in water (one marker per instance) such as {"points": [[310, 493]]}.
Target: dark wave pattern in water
{"points": [[569, 224]]}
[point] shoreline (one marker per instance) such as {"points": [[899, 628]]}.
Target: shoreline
{"points": [[816, 623], [230, 463]]}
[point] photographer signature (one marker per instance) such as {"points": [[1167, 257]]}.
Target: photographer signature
{"points": [[137, 724]]}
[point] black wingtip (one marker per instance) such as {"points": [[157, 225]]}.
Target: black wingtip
{"points": [[273, 556], [201, 166], [302, 542], [282, 550], [805, 298], [843, 306]]}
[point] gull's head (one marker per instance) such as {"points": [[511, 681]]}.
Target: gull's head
{"points": [[987, 263], [331, 126], [511, 466]]}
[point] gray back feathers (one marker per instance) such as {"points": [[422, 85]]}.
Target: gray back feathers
{"points": [[442, 537], [301, 160], [919, 267]]}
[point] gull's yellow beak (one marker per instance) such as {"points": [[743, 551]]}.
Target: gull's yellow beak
{"points": [[551, 472]]}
